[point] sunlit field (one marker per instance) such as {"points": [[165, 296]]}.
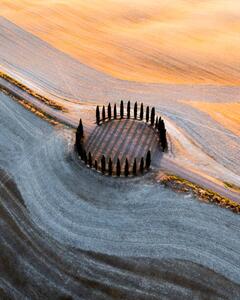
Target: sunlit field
{"points": [[226, 114], [177, 41]]}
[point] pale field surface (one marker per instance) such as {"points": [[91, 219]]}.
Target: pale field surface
{"points": [[197, 139], [177, 41], [227, 114], [81, 234]]}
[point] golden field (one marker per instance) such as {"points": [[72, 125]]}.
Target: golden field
{"points": [[176, 41], [226, 114]]}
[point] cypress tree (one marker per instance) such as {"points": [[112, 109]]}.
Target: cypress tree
{"points": [[141, 111], [148, 159], [121, 109], [115, 111], [103, 164], [152, 116], [110, 169], [103, 113], [147, 114], [109, 112], [96, 165], [160, 125], [128, 109], [79, 147], [135, 110], [80, 133], [141, 165], [135, 167], [126, 170], [156, 123], [97, 115], [90, 159], [118, 167], [163, 138], [164, 141], [84, 156]]}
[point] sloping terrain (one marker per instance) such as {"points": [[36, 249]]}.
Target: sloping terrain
{"points": [[69, 232], [180, 41], [198, 139]]}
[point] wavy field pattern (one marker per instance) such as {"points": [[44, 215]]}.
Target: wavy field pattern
{"points": [[68, 232], [137, 40]]}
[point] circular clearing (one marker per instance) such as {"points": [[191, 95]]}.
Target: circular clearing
{"points": [[123, 138]]}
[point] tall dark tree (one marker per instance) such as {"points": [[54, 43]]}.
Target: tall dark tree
{"points": [[163, 140], [109, 112], [152, 115], [97, 115], [147, 114], [141, 111], [115, 111], [156, 123], [96, 165], [121, 109], [141, 168], [148, 159], [79, 137], [90, 159], [135, 110], [79, 147], [80, 132], [103, 164], [162, 134], [110, 166], [128, 109], [84, 156], [103, 113], [160, 124], [118, 169], [126, 169], [135, 167]]}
